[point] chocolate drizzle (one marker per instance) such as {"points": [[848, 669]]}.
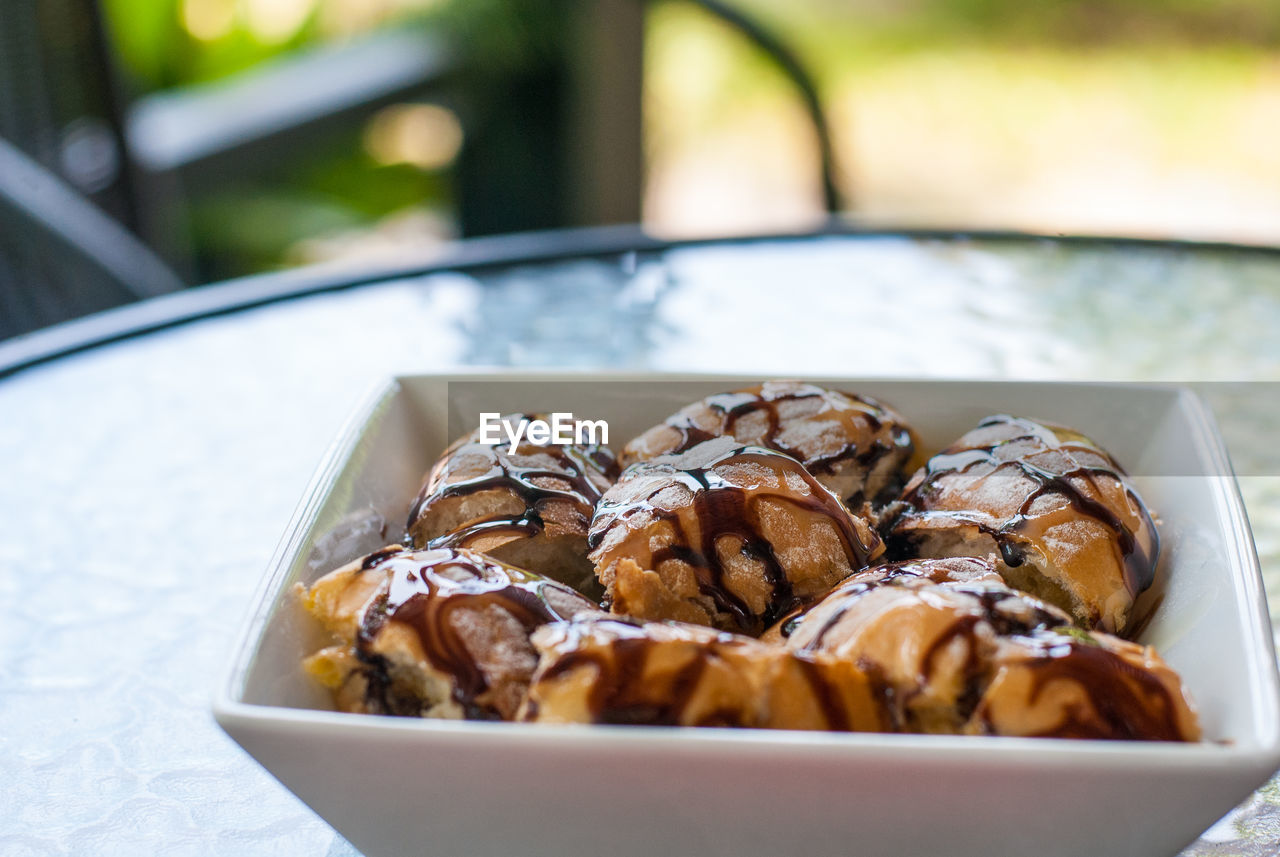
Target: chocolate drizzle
{"points": [[379, 556], [425, 588], [1139, 560], [722, 509], [619, 694], [574, 474], [977, 612], [964, 627], [1127, 702], [1029, 614], [652, 673], [1008, 611], [833, 711], [524, 524], [1127, 696], [869, 430]]}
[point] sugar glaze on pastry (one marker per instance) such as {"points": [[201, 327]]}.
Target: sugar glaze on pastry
{"points": [[1057, 513], [854, 445], [614, 670], [439, 633], [960, 652], [739, 557], [527, 504], [725, 535]]}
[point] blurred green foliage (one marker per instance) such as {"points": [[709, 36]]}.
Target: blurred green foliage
{"points": [[333, 186], [338, 186], [907, 24], [159, 52], [252, 226]]}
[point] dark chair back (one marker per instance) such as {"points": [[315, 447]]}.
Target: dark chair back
{"points": [[66, 202]]}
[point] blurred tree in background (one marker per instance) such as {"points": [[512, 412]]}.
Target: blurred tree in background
{"points": [[940, 107]]}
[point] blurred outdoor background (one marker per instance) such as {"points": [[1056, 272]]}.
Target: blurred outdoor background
{"points": [[236, 136]]}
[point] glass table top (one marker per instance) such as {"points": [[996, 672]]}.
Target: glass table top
{"points": [[147, 481]]}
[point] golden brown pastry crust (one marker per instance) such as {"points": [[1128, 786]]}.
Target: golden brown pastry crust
{"points": [[854, 445], [441, 633], [527, 505], [926, 629], [609, 670], [961, 652], [1054, 510], [1067, 683], [723, 535], [733, 532]]}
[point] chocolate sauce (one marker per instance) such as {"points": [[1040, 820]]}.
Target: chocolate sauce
{"points": [[984, 607], [845, 596], [833, 710], [911, 574], [527, 524], [426, 587], [722, 509], [584, 470], [1005, 623], [1127, 702], [1139, 563], [619, 693], [377, 557], [860, 418], [965, 628], [623, 692], [885, 693]]}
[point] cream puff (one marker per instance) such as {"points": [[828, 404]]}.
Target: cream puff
{"points": [[525, 504], [725, 535], [1057, 514], [859, 448], [611, 670], [434, 633]]}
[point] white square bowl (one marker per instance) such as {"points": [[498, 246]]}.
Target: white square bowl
{"points": [[396, 786]]}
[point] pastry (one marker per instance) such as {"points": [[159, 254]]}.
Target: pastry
{"points": [[736, 559], [434, 633], [1052, 508], [925, 629], [611, 670], [960, 652], [856, 446], [725, 535], [527, 505], [1068, 683]]}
